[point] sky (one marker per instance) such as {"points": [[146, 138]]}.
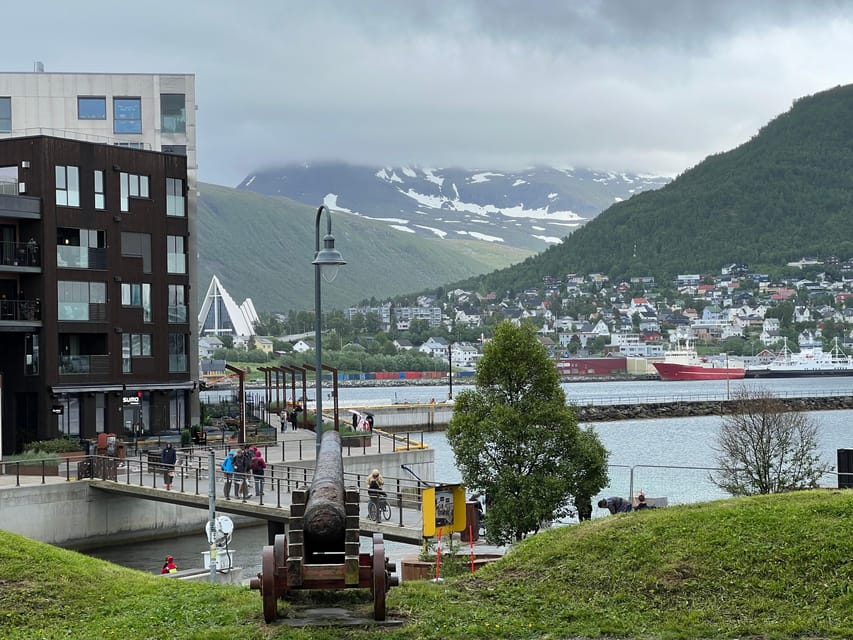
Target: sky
{"points": [[641, 86]]}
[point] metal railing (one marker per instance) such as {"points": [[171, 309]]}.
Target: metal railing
{"points": [[696, 397], [20, 310]]}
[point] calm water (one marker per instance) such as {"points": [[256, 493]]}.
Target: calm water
{"points": [[678, 452]]}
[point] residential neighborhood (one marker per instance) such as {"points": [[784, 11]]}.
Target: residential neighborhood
{"points": [[586, 317]]}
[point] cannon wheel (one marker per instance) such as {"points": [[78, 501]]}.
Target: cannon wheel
{"points": [[268, 593], [380, 579]]}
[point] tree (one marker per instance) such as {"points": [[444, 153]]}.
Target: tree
{"points": [[516, 440], [764, 448]]}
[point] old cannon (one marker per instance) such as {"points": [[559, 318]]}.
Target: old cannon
{"points": [[321, 548]]}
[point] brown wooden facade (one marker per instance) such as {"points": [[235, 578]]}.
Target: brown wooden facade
{"points": [[64, 364]]}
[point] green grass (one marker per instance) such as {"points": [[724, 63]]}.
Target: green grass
{"points": [[763, 567]]}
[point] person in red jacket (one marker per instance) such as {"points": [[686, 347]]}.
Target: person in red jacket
{"points": [[169, 566]]}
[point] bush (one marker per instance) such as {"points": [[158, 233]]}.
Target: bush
{"points": [[57, 445]]}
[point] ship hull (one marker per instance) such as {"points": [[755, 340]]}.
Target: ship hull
{"points": [[672, 372], [797, 373]]}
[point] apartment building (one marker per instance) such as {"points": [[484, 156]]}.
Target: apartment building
{"points": [[98, 183]]}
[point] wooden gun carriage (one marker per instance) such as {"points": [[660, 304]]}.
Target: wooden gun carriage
{"points": [[321, 548]]}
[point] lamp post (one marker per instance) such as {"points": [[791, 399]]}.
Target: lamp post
{"points": [[450, 369], [330, 258]]}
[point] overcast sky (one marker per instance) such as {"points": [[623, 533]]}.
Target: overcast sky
{"points": [[636, 85]]}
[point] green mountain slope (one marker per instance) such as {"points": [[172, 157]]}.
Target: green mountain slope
{"points": [[784, 194], [261, 247]]}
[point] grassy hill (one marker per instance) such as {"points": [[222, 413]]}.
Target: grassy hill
{"points": [[763, 567], [261, 247], [784, 194]]}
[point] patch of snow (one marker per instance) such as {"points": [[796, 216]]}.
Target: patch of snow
{"points": [[551, 196], [331, 201], [549, 239], [617, 199], [383, 174], [409, 173], [519, 182], [402, 228], [397, 220], [518, 211], [441, 234], [251, 180], [483, 177], [429, 174], [535, 228], [480, 236]]}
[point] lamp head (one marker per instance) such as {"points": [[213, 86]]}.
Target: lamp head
{"points": [[328, 259]]}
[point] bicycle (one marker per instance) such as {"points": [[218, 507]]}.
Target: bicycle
{"points": [[378, 508]]}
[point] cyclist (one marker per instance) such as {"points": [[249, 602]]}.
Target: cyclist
{"points": [[375, 494]]}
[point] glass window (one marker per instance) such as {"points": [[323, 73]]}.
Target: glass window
{"points": [[175, 197], [81, 301], [177, 304], [177, 352], [67, 186], [173, 113], [127, 115], [5, 114], [91, 108], [100, 201], [131, 186], [137, 245], [176, 261]]}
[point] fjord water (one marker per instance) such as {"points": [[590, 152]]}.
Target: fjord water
{"points": [[678, 452]]}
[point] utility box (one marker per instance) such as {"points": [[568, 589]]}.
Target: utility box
{"points": [[845, 468]]}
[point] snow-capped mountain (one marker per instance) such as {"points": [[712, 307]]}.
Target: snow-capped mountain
{"points": [[531, 208]]}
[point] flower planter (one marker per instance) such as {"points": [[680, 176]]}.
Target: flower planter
{"points": [[413, 568], [30, 469], [356, 441]]}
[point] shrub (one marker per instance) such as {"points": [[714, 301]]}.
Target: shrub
{"points": [[57, 445]]}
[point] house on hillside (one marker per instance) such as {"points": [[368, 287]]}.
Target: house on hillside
{"points": [[435, 347]]}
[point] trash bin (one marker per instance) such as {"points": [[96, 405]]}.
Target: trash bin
{"points": [[845, 468]]}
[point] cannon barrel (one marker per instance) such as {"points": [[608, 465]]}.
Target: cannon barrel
{"points": [[325, 519]]}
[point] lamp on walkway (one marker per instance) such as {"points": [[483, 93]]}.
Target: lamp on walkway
{"points": [[326, 263]]}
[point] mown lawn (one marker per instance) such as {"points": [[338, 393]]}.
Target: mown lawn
{"points": [[763, 567]]}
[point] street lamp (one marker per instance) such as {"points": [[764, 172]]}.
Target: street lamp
{"points": [[331, 259]]}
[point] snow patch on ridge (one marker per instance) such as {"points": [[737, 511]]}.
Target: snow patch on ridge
{"points": [[441, 234]]}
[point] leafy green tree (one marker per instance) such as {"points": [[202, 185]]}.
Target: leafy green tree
{"points": [[515, 439]]}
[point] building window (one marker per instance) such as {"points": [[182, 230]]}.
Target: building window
{"points": [[5, 114], [67, 186], [174, 149], [132, 186], [137, 295], [137, 245], [82, 301], [173, 113], [127, 115], [134, 345], [177, 304], [81, 248], [177, 352], [175, 198], [176, 258], [31, 348], [91, 108], [100, 200]]}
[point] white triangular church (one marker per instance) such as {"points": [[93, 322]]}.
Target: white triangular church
{"points": [[220, 315]]}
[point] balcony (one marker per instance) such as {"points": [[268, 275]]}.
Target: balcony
{"points": [[73, 257], [84, 365], [177, 313], [20, 254], [20, 311], [20, 207]]}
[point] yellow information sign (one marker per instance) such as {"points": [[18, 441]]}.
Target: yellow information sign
{"points": [[444, 509]]}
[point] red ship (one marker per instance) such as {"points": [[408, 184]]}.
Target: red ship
{"points": [[682, 363]]}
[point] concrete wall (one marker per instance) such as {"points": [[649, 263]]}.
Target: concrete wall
{"points": [[73, 515]]}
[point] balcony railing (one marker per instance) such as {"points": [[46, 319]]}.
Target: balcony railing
{"points": [[74, 257], [177, 313], [82, 364], [20, 310], [20, 254], [8, 187]]}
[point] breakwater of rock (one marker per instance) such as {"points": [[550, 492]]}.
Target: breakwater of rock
{"points": [[653, 411]]}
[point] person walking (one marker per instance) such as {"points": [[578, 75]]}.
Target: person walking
{"points": [[258, 465], [168, 457], [242, 469], [228, 471], [616, 504]]}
